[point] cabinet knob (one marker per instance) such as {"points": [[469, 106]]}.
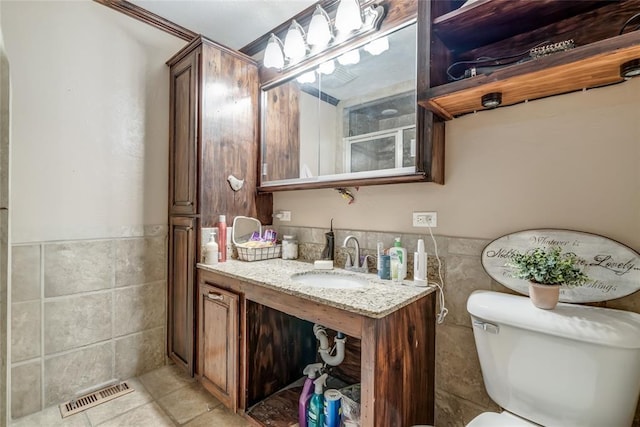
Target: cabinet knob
{"points": [[189, 203], [214, 296]]}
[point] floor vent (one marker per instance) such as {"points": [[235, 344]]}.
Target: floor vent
{"points": [[94, 399]]}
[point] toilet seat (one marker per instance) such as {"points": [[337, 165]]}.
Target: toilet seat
{"points": [[503, 419]]}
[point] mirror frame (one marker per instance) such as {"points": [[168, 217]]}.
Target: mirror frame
{"points": [[429, 128]]}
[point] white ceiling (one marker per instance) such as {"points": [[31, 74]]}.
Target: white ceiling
{"points": [[233, 23]]}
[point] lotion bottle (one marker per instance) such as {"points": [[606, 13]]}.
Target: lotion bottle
{"points": [[211, 250], [315, 413], [311, 371], [420, 265]]}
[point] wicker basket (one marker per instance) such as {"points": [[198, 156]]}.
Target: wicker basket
{"points": [[259, 254]]}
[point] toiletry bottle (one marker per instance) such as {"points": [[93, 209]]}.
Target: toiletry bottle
{"points": [[315, 413], [222, 230], [398, 261], [211, 250], [420, 265], [327, 252], [379, 253], [311, 371]]}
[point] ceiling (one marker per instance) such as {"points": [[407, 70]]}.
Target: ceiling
{"points": [[233, 23]]}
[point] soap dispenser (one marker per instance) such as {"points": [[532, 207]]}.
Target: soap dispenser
{"points": [[327, 252], [315, 413], [311, 371]]}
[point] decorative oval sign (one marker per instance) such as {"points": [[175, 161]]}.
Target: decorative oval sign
{"points": [[613, 268]]}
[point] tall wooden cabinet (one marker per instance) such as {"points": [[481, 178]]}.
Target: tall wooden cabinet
{"points": [[213, 133]]}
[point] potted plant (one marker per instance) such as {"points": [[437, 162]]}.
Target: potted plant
{"points": [[547, 270]]}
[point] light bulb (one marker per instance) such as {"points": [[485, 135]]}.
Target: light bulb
{"points": [[319, 34], [349, 58], [327, 67], [294, 46], [309, 77], [348, 16], [377, 46], [273, 57]]}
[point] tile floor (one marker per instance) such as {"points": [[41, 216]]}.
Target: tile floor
{"points": [[165, 397]]}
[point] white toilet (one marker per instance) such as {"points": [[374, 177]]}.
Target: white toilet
{"points": [[575, 366]]}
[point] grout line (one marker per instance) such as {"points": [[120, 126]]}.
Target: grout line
{"points": [[113, 307], [42, 328]]}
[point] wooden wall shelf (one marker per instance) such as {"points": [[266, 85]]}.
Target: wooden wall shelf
{"points": [[594, 65], [488, 21]]}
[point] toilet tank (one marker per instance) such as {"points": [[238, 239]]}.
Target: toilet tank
{"points": [[572, 366]]}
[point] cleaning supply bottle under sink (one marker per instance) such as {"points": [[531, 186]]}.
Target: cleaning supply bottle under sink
{"points": [[315, 412], [311, 371]]}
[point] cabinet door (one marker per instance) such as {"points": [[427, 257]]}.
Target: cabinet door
{"points": [[218, 343], [183, 134], [182, 262]]}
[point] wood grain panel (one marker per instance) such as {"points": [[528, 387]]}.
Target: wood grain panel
{"points": [[590, 66], [181, 269], [487, 21], [183, 144], [218, 343], [400, 351], [279, 347], [281, 135], [586, 28], [229, 134]]}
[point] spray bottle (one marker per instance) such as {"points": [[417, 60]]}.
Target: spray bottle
{"points": [[315, 413], [311, 371]]}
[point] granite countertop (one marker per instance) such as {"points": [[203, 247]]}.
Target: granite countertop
{"points": [[376, 299]]}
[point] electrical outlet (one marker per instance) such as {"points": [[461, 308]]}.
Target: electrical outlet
{"points": [[284, 215], [425, 219]]}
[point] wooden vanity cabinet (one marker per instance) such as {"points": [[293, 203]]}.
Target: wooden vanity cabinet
{"points": [[181, 278], [393, 357], [218, 342]]}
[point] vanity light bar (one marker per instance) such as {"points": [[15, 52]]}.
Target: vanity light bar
{"points": [[295, 49]]}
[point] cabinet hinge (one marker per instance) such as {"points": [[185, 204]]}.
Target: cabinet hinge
{"points": [[264, 169]]}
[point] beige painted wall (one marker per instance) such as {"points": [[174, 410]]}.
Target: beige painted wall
{"points": [[90, 120], [570, 161]]}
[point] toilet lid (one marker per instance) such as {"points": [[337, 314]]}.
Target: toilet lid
{"points": [[503, 419]]}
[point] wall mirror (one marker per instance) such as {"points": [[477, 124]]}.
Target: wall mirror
{"points": [[348, 121]]}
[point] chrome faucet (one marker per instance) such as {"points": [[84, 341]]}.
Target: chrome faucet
{"points": [[355, 265]]}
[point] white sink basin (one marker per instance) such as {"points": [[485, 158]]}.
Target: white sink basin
{"points": [[329, 280]]}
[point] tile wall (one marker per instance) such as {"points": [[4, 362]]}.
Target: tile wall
{"points": [[84, 313], [460, 393]]}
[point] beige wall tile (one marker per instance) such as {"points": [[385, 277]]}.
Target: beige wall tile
{"points": [[457, 365], [79, 266], [452, 411], [25, 389], [140, 261], [25, 272], [75, 321], [470, 247], [67, 374], [463, 276], [25, 330], [139, 307], [140, 353]]}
